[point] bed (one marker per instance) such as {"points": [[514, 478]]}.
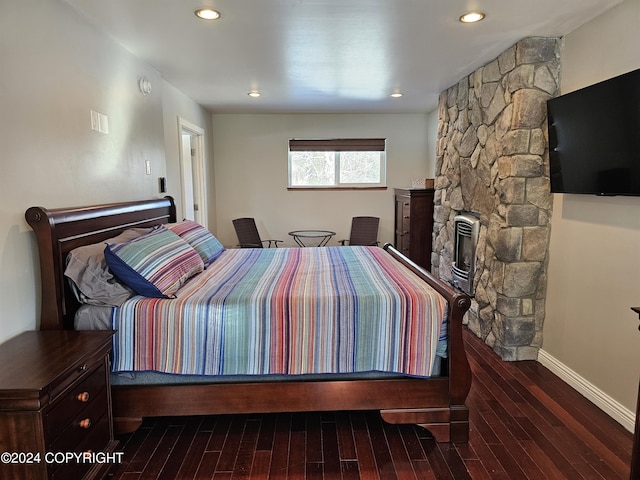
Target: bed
{"points": [[433, 401]]}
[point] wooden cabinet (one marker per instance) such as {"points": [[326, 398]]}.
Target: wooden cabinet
{"points": [[55, 400], [635, 454], [414, 224]]}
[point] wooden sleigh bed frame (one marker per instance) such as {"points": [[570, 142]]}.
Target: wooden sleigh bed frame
{"points": [[437, 403]]}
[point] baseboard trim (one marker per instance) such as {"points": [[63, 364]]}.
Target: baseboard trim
{"points": [[611, 407]]}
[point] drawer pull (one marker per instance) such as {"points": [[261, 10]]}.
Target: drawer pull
{"points": [[83, 397], [85, 423], [83, 368]]}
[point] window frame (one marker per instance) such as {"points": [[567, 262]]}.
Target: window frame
{"points": [[337, 146]]}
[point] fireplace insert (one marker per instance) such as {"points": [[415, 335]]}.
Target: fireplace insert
{"points": [[466, 230]]}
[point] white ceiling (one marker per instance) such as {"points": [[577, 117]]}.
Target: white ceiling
{"points": [[326, 55]]}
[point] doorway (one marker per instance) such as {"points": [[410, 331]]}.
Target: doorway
{"points": [[192, 172]]}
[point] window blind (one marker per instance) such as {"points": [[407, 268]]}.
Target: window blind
{"points": [[338, 145]]}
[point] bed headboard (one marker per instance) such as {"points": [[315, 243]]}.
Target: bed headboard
{"points": [[60, 230]]}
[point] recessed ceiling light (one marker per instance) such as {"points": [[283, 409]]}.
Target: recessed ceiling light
{"points": [[397, 94], [254, 94], [472, 17], [207, 14]]}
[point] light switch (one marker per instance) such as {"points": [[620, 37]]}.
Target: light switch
{"points": [[99, 122], [147, 164], [95, 121], [103, 122]]}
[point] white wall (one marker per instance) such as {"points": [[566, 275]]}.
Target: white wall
{"points": [[594, 267], [250, 154], [55, 69]]}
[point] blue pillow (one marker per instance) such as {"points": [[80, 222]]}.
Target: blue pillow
{"points": [[154, 265], [201, 239]]}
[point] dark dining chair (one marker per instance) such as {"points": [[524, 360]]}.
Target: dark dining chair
{"points": [[364, 231], [248, 236]]}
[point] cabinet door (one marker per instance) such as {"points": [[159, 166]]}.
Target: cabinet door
{"points": [[406, 226], [402, 224]]}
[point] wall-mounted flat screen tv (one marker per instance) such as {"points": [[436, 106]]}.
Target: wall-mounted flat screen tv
{"points": [[594, 138]]}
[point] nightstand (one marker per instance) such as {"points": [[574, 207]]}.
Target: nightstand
{"points": [[55, 399]]}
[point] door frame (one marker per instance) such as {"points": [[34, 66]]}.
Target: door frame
{"points": [[198, 176]]}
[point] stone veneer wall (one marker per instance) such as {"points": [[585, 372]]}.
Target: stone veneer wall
{"points": [[492, 159]]}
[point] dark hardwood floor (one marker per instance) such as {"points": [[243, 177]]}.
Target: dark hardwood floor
{"points": [[525, 424]]}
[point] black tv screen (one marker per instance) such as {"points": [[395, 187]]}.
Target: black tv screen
{"points": [[594, 138]]}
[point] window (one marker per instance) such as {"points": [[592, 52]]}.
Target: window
{"points": [[339, 163]]}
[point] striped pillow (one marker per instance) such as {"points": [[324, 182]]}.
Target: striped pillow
{"points": [[201, 239], [154, 265]]}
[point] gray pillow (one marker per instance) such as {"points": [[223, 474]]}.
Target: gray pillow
{"points": [[90, 278]]}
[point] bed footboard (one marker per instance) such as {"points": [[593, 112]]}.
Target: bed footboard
{"points": [[456, 417]]}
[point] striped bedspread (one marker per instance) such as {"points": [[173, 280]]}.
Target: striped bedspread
{"points": [[286, 311]]}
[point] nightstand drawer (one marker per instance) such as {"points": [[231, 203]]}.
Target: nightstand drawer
{"points": [[95, 441], [77, 399], [79, 370], [81, 427]]}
